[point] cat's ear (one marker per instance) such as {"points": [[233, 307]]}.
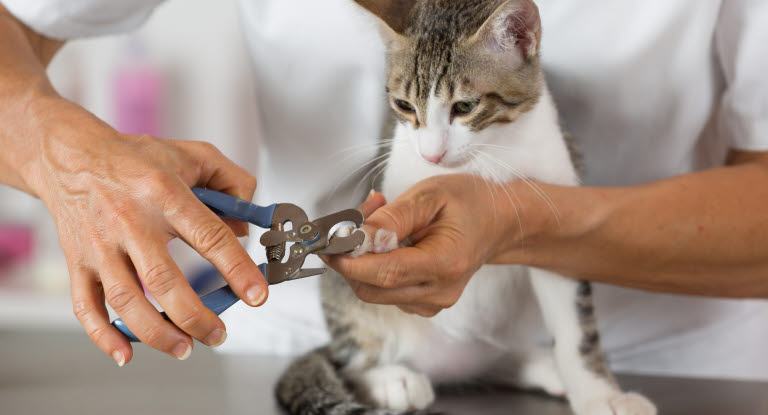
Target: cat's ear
{"points": [[396, 15], [514, 26]]}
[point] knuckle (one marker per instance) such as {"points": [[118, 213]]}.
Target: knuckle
{"points": [[159, 183], [233, 270], [460, 267], [191, 321], [391, 274], [82, 309], [97, 334], [430, 193], [209, 148], [397, 213], [120, 211], [160, 279], [250, 182], [210, 237], [153, 334], [120, 298]]}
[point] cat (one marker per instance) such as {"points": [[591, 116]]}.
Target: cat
{"points": [[465, 83]]}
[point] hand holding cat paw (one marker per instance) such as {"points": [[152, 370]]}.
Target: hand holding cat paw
{"points": [[455, 230]]}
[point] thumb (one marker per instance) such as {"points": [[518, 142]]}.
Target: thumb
{"points": [[410, 213]]}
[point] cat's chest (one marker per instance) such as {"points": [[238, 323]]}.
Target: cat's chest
{"points": [[496, 313]]}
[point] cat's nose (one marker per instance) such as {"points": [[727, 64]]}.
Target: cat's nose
{"points": [[435, 159]]}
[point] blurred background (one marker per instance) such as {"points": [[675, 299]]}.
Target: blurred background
{"points": [[143, 83]]}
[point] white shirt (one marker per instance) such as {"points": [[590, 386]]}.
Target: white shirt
{"points": [[648, 90]]}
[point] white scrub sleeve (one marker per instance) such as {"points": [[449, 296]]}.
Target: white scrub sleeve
{"points": [[68, 19], [741, 40]]}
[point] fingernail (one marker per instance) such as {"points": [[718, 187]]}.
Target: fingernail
{"points": [[216, 338], [119, 357], [371, 194], [255, 296], [182, 351]]}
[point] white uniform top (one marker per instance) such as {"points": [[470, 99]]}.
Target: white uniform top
{"points": [[648, 89]]}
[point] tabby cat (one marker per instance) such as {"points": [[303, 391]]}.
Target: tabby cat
{"points": [[466, 85]]}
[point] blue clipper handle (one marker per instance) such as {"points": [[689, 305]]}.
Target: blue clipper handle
{"points": [[217, 301], [230, 207]]}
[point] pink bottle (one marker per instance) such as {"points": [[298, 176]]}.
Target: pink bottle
{"points": [[139, 93], [16, 245]]}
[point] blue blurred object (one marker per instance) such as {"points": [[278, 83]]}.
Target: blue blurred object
{"points": [[217, 301]]}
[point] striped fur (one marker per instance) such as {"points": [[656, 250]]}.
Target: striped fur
{"points": [[483, 52]]}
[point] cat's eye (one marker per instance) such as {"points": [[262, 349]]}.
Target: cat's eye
{"points": [[463, 107], [404, 106]]}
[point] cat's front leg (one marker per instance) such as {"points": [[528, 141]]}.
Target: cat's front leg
{"points": [[569, 315]]}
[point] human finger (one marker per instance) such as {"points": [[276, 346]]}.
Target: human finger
{"points": [[374, 294], [88, 306], [410, 213], [220, 173], [124, 295], [420, 310], [425, 300], [209, 236], [167, 284], [400, 268]]}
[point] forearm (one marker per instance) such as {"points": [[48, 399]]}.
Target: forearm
{"points": [[704, 233], [24, 56]]}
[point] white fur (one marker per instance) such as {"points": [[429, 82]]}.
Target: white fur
{"points": [[497, 318], [396, 387]]}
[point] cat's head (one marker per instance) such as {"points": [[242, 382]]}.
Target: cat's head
{"points": [[456, 68]]}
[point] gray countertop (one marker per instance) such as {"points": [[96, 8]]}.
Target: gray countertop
{"points": [[63, 373]]}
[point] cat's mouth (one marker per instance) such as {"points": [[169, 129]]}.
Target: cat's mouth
{"points": [[450, 162]]}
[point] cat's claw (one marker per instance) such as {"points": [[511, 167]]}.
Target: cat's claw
{"points": [[620, 404], [396, 388]]}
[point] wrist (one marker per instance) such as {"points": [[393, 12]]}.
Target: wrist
{"points": [[19, 133], [551, 220]]}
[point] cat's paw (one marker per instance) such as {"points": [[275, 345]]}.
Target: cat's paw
{"points": [[364, 248], [383, 241], [620, 404], [396, 388]]}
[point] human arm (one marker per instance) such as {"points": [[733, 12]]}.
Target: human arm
{"points": [[117, 200], [703, 233]]}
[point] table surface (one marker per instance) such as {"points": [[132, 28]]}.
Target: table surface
{"points": [[63, 373]]}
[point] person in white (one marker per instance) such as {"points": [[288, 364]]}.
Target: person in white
{"points": [[651, 91]]}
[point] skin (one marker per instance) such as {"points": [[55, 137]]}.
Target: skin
{"points": [[703, 234], [117, 201]]}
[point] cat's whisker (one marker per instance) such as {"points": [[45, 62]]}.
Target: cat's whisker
{"points": [[473, 170], [353, 150], [381, 166], [485, 175], [535, 187], [346, 177], [504, 185], [530, 182], [376, 177]]}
